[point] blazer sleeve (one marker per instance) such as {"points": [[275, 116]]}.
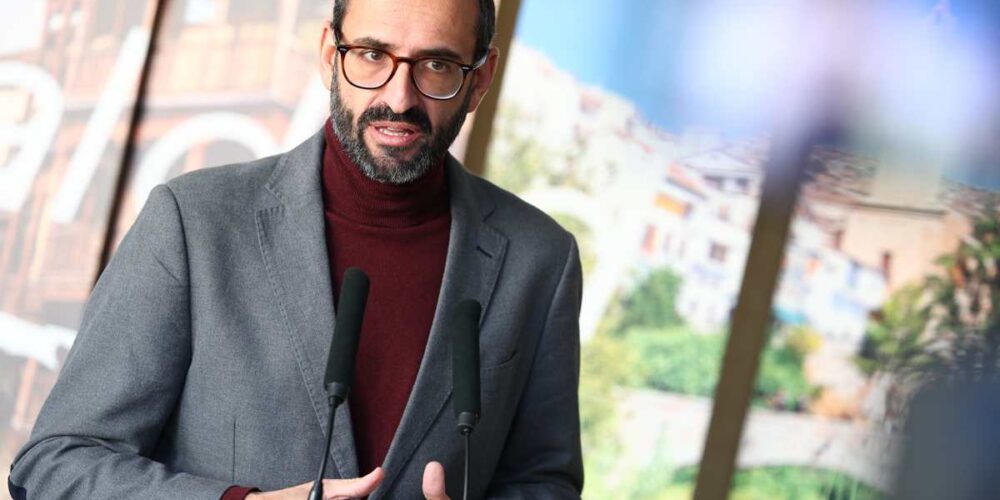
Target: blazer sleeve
{"points": [[122, 378], [542, 457]]}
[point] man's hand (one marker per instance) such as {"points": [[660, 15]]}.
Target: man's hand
{"points": [[434, 482], [333, 489]]}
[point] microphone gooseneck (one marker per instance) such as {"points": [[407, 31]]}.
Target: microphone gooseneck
{"points": [[465, 374], [343, 347]]}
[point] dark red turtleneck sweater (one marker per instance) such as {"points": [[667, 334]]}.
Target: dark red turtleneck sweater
{"points": [[398, 235]]}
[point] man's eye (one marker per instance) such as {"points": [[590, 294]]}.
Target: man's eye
{"points": [[372, 55], [436, 65]]}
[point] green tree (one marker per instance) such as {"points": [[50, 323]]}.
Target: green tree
{"points": [[895, 340], [682, 360], [781, 383], [652, 303], [799, 483], [584, 238], [605, 365], [677, 359], [966, 301], [515, 160], [949, 323]]}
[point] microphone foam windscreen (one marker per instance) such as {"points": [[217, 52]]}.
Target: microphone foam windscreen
{"points": [[465, 356], [350, 314]]}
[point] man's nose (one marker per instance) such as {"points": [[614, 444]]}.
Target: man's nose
{"points": [[399, 93]]}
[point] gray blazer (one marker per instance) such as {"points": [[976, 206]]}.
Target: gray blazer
{"points": [[200, 358]]}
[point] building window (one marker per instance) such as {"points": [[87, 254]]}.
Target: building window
{"points": [[717, 253], [724, 213], [649, 240], [887, 266]]}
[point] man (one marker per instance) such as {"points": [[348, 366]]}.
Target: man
{"points": [[199, 362]]}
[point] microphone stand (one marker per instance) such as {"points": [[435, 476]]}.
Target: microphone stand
{"points": [[337, 395], [466, 423]]}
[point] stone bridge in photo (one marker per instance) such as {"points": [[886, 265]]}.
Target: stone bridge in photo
{"points": [[674, 426]]}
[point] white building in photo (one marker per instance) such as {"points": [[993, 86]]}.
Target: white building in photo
{"points": [[703, 234], [826, 290]]}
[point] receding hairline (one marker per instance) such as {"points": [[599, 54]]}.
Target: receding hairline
{"points": [[484, 28]]}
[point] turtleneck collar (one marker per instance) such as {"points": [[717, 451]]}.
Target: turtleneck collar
{"points": [[348, 193]]}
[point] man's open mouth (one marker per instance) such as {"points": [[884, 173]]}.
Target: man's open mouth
{"points": [[397, 134]]}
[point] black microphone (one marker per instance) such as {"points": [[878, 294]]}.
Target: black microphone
{"points": [[343, 347], [465, 372], [465, 364]]}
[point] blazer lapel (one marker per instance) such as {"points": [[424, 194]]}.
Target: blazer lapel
{"points": [[292, 238], [475, 255]]}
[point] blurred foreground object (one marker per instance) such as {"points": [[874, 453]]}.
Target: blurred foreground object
{"points": [[953, 447]]}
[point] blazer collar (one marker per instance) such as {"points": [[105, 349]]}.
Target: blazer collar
{"points": [[296, 179], [292, 239], [475, 255], [293, 245]]}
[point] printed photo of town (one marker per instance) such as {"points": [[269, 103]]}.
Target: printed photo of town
{"points": [[887, 262], [645, 128]]}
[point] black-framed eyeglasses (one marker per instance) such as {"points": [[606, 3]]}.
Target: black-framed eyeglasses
{"points": [[435, 77]]}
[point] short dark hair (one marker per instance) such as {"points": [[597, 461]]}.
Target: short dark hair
{"points": [[486, 27]]}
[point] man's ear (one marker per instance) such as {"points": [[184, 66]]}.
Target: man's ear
{"points": [[327, 54], [483, 78]]}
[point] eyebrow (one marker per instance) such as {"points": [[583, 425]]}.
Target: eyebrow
{"points": [[374, 43], [443, 52]]}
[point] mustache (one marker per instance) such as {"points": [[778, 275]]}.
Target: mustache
{"points": [[382, 112]]}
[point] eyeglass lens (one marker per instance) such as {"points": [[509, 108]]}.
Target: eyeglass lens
{"points": [[371, 68]]}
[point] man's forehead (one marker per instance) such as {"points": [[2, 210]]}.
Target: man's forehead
{"points": [[414, 25]]}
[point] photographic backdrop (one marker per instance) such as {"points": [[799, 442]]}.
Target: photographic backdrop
{"points": [[648, 131], [68, 81], [646, 128]]}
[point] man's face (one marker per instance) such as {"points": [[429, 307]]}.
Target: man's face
{"points": [[395, 133]]}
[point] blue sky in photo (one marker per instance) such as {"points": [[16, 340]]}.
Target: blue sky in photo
{"points": [[632, 48], [624, 47]]}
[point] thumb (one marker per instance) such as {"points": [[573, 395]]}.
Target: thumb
{"points": [[434, 482], [353, 488]]}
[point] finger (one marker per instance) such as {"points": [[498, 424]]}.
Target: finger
{"points": [[336, 489], [434, 482]]}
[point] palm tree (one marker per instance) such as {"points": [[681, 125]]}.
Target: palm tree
{"points": [[948, 326]]}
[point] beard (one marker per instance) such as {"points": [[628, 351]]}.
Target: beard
{"points": [[393, 167]]}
